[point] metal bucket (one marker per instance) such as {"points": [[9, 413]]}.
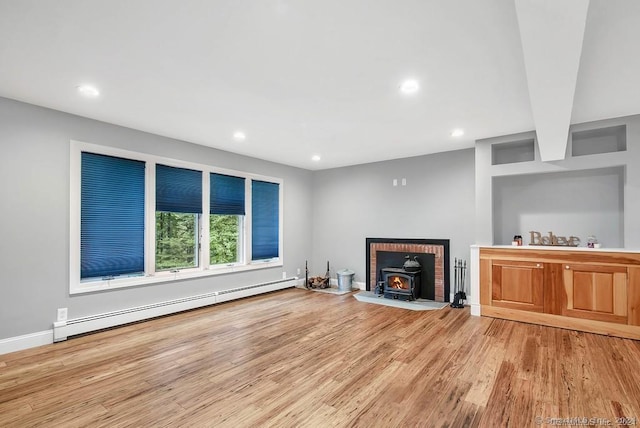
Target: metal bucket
{"points": [[345, 279]]}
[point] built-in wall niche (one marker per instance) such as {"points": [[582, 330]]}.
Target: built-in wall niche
{"points": [[571, 203], [596, 141], [513, 152]]}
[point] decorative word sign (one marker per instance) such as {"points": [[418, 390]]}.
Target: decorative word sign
{"points": [[538, 239]]}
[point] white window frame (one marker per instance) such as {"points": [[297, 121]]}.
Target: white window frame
{"points": [[77, 286]]}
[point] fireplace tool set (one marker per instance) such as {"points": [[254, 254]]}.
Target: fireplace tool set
{"points": [[460, 275]]}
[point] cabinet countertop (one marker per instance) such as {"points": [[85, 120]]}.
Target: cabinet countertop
{"points": [[557, 248]]}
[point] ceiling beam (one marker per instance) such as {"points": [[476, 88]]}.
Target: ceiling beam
{"points": [[552, 32]]}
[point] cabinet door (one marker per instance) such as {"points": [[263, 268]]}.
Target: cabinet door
{"points": [[596, 292], [517, 285]]}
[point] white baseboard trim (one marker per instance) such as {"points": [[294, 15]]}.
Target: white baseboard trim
{"points": [[354, 284], [72, 327], [62, 329], [26, 341], [334, 282], [475, 309]]}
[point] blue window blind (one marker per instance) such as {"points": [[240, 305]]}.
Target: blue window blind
{"points": [[111, 216], [178, 190], [265, 206], [227, 194]]}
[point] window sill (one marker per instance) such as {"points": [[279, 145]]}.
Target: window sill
{"points": [[160, 277]]}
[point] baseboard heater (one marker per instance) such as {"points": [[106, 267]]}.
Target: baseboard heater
{"points": [[72, 327]]}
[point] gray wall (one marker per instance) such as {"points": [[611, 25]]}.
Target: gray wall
{"points": [[354, 203], [580, 195], [572, 203], [34, 220]]}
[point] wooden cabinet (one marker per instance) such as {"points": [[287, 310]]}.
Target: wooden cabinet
{"points": [[594, 291], [517, 284]]}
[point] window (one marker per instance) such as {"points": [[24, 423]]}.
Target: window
{"points": [[139, 219], [178, 209], [112, 216], [226, 219], [265, 227]]}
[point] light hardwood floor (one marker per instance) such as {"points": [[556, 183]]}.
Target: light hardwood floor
{"points": [[305, 359]]}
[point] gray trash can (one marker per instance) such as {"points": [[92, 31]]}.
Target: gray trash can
{"points": [[345, 278]]}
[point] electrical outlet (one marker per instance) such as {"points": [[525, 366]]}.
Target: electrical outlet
{"points": [[298, 271], [62, 314], [284, 275]]}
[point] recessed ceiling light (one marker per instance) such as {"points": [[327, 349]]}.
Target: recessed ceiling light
{"points": [[457, 133], [239, 136], [409, 86], [315, 158], [88, 91]]}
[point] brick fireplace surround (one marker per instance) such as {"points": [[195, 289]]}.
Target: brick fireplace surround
{"points": [[438, 247]]}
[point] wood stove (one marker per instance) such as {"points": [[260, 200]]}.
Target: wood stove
{"points": [[401, 284]]}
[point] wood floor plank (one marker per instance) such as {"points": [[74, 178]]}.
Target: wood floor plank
{"points": [[304, 359]]}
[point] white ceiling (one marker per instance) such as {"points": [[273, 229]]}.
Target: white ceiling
{"points": [[321, 77]]}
